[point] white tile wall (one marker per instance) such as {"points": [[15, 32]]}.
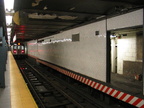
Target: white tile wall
{"points": [[126, 50], [126, 20], [87, 56]]}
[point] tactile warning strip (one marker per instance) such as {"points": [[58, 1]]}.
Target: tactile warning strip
{"points": [[20, 94]]}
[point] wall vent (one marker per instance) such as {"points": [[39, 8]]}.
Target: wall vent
{"points": [[75, 37], [96, 33]]}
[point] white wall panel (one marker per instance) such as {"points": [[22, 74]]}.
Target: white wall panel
{"points": [[87, 56], [126, 20], [126, 50], [32, 48]]}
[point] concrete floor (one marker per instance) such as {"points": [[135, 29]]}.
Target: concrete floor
{"points": [[127, 84], [5, 92]]}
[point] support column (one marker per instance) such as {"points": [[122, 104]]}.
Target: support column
{"points": [[108, 58], [108, 55], [143, 53], [3, 57]]}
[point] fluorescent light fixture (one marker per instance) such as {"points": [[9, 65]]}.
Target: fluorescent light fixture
{"points": [[8, 34], [9, 37], [112, 36], [9, 4], [8, 30], [8, 20]]}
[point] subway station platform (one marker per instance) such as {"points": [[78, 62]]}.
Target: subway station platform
{"points": [[127, 85], [16, 93]]}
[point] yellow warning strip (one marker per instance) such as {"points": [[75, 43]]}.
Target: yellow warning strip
{"points": [[20, 94]]}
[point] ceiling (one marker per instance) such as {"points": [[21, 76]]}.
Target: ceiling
{"points": [[40, 18]]}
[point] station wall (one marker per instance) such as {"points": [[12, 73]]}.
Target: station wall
{"points": [[82, 49], [126, 48], [126, 45], [123, 49], [86, 56], [32, 48], [131, 19]]}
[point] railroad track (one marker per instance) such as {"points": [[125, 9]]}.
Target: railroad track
{"points": [[51, 92]]}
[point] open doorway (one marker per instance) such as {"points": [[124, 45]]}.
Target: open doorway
{"points": [[126, 59]]}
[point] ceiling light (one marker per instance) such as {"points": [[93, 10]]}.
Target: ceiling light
{"points": [[8, 34], [8, 30], [8, 20], [9, 4]]}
